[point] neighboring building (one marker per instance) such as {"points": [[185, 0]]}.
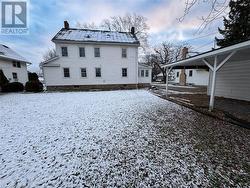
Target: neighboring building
{"points": [[229, 70], [13, 65], [144, 74], [93, 59], [193, 76]]}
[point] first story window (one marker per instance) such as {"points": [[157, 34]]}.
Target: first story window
{"points": [[14, 75], [124, 52], [83, 72], [146, 73], [142, 73], [177, 74], [97, 52], [190, 73], [124, 72], [66, 72], [82, 52], [64, 51], [98, 72]]}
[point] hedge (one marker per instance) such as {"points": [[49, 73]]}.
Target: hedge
{"points": [[12, 87], [33, 86]]}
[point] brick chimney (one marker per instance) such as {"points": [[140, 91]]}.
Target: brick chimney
{"points": [[66, 25], [183, 76], [133, 30]]}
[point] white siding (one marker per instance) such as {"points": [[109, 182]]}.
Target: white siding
{"points": [[200, 76], [233, 81], [144, 80], [110, 62], [7, 67]]}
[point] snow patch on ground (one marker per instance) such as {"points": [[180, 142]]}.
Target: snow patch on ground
{"points": [[97, 139]]}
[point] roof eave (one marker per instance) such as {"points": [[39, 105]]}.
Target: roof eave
{"points": [[14, 59], [95, 42]]}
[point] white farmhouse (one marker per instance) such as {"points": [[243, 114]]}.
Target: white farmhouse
{"points": [[193, 76], [13, 65], [93, 59]]}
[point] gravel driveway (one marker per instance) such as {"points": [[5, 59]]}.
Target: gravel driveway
{"points": [[116, 138]]}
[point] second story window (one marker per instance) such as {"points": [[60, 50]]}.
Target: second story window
{"points": [[66, 72], [177, 74], [82, 52], [97, 52], [83, 72], [98, 72], [142, 73], [124, 72], [64, 51], [124, 52], [146, 73], [16, 64]]}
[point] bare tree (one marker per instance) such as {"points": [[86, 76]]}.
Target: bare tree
{"points": [[49, 54], [87, 25], [124, 24], [163, 54], [217, 9]]}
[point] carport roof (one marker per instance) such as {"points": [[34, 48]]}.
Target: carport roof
{"points": [[242, 53]]}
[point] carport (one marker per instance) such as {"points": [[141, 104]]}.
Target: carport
{"points": [[215, 60]]}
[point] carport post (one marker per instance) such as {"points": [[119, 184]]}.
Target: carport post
{"points": [[167, 81], [168, 70], [211, 103]]}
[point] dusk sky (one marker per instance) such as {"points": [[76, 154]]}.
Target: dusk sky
{"points": [[46, 19]]}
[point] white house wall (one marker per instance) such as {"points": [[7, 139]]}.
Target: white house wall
{"points": [[199, 77], [233, 81], [144, 79], [110, 62], [7, 67]]}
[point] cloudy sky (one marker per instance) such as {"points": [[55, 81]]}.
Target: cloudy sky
{"points": [[46, 19]]}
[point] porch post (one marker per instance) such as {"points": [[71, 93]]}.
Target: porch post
{"points": [[167, 81], [211, 103]]}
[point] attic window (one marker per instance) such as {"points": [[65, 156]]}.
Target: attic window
{"points": [[5, 46]]}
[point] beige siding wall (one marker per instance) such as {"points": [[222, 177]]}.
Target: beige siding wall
{"points": [[233, 81]]}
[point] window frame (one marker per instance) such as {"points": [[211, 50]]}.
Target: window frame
{"points": [[142, 71], [80, 54], [18, 63], [98, 68], [124, 53], [64, 72], [62, 52], [190, 73], [82, 72], [125, 76], [146, 73], [177, 74], [95, 52], [15, 78]]}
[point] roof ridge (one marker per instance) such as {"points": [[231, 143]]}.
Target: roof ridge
{"points": [[96, 30]]}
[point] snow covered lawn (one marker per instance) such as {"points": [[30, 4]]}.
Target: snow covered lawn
{"points": [[116, 138]]}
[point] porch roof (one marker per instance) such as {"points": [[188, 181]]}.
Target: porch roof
{"points": [[242, 53]]}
